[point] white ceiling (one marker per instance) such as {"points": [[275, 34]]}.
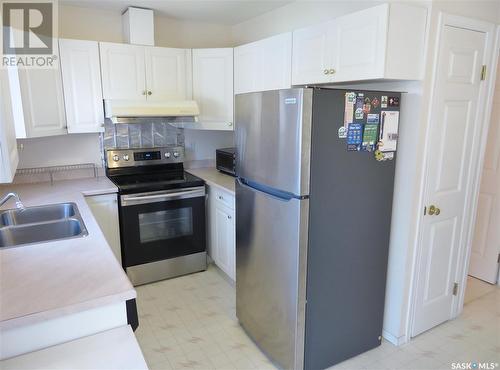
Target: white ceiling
{"points": [[223, 12]]}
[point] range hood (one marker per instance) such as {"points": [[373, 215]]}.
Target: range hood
{"points": [[176, 113]]}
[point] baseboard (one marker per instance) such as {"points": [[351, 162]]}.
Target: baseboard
{"points": [[397, 341]]}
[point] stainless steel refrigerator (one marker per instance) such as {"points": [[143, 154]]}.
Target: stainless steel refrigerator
{"points": [[313, 216]]}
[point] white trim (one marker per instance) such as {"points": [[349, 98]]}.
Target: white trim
{"points": [[473, 183], [397, 341], [484, 117]]}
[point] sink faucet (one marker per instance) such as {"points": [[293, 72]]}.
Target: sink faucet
{"points": [[4, 200]]}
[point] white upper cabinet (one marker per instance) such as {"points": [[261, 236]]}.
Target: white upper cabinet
{"points": [[132, 72], [43, 101], [312, 53], [82, 85], [382, 42], [213, 87], [9, 157], [166, 73], [263, 65], [359, 44], [123, 71]]}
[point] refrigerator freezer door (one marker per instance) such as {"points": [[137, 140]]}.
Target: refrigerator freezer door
{"points": [[271, 247], [273, 138]]}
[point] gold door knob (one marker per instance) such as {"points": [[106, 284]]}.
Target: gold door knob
{"points": [[149, 92], [433, 210], [332, 71], [326, 71]]}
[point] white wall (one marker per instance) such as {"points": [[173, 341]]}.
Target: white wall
{"points": [[105, 25], [294, 15], [59, 150]]}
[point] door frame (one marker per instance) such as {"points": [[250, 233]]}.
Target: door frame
{"points": [[483, 118]]}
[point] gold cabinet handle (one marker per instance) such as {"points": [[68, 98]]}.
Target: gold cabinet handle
{"points": [[332, 71], [326, 71], [149, 93]]}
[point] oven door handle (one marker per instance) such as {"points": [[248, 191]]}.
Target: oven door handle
{"points": [[128, 200]]}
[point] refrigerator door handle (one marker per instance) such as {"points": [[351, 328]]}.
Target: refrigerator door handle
{"points": [[268, 191]]}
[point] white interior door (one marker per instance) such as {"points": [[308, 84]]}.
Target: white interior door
{"points": [[486, 243], [453, 126]]}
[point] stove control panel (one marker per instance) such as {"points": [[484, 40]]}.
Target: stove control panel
{"points": [[116, 158]]}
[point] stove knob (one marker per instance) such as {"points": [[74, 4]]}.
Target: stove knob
{"points": [[116, 158], [167, 154], [176, 154], [126, 157]]}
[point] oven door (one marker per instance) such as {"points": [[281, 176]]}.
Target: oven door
{"points": [[162, 225]]}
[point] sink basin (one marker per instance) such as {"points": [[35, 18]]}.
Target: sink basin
{"points": [[31, 215], [40, 224], [41, 232]]}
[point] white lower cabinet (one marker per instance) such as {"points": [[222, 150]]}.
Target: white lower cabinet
{"points": [[105, 211], [222, 231]]}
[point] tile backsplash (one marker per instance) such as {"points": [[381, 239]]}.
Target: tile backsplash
{"points": [[141, 135]]}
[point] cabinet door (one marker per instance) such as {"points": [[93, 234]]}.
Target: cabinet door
{"points": [[225, 239], [246, 68], [276, 62], [105, 210], [213, 85], [43, 101], [123, 71], [361, 44], [9, 157], [82, 85], [263, 65], [313, 48], [167, 73]]}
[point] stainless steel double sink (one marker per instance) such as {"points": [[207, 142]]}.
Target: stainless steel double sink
{"points": [[29, 225]]}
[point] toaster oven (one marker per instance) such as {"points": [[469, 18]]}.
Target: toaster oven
{"points": [[225, 160]]}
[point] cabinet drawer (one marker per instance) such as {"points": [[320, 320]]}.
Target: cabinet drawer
{"points": [[224, 197]]}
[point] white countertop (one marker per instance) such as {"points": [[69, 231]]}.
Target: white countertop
{"points": [[112, 349], [47, 280], [214, 177]]}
